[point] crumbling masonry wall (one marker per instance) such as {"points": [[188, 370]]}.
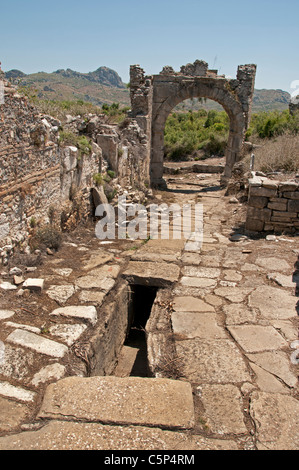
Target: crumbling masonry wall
{"points": [[36, 173], [272, 205], [153, 98]]}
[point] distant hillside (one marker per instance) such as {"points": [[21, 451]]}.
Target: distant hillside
{"points": [[104, 85]]}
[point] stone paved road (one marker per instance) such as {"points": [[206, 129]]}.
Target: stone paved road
{"points": [[234, 327]]}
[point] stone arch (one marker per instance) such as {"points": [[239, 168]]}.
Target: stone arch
{"points": [[153, 98]]}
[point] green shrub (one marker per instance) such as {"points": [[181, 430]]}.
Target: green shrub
{"points": [[98, 179], [49, 237]]}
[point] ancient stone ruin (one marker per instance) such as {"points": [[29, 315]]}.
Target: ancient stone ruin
{"points": [[154, 97]]}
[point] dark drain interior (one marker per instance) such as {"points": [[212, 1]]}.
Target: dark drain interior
{"points": [[140, 306]]}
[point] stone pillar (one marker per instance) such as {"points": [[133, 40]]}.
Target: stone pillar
{"points": [[246, 77]]}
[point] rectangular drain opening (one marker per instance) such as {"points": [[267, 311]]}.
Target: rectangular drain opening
{"points": [[140, 306]]}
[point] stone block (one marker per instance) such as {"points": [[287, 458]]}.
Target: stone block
{"points": [[288, 186], [258, 201], [35, 285], [254, 225], [262, 191], [18, 393], [151, 274], [255, 338], [277, 206], [130, 400], [293, 206], [223, 409], [88, 313], [260, 214], [37, 343], [291, 195]]}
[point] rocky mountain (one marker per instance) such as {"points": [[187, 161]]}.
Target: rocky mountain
{"points": [[104, 85]]}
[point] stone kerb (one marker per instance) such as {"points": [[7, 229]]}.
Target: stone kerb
{"points": [[272, 205]]}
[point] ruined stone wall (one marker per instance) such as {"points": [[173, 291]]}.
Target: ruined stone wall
{"points": [[272, 205], [36, 173]]}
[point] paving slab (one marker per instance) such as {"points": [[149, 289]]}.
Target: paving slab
{"points": [[51, 372], [12, 414], [214, 361], [276, 417], [273, 264], [191, 304], [267, 382], [194, 324], [233, 294], [277, 363], [255, 338], [273, 302], [152, 274], [4, 314], [61, 293], [237, 314], [83, 312], [198, 282], [37, 343], [68, 333], [131, 400], [18, 393], [223, 409], [61, 435]]}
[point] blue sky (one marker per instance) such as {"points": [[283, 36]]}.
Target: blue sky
{"points": [[48, 35]]}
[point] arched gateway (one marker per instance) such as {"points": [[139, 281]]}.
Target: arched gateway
{"points": [[153, 98]]}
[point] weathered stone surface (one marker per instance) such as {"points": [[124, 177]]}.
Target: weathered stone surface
{"points": [[61, 293], [277, 363], [273, 303], [98, 259], [12, 414], [68, 333], [283, 280], [95, 298], [7, 286], [61, 435], [4, 314], [217, 361], [15, 362], [18, 393], [267, 382], [198, 282], [51, 372], [194, 324], [88, 313], [153, 274], [234, 294], [37, 343], [201, 272], [35, 285], [237, 314], [276, 418], [132, 400], [273, 264], [223, 409], [255, 338], [191, 304], [254, 225]]}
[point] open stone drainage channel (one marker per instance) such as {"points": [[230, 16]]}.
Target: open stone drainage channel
{"points": [[221, 329]]}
